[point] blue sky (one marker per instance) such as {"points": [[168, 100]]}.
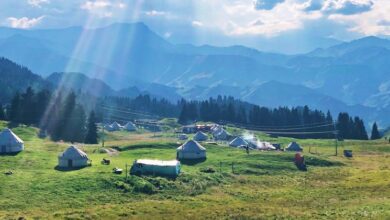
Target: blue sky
{"points": [[289, 26]]}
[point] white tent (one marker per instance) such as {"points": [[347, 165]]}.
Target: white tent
{"points": [[72, 157], [237, 142], [191, 150], [200, 136], [9, 142], [116, 126], [294, 146], [130, 126], [222, 135]]}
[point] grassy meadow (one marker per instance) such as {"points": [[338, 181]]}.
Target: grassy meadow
{"points": [[260, 185]]}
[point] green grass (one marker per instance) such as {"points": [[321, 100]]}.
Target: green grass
{"points": [[263, 185]]}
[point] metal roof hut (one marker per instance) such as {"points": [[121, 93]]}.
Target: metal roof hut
{"points": [[130, 126], [200, 136], [191, 150], [237, 142], [116, 126], [73, 157], [156, 167], [294, 146], [10, 142]]}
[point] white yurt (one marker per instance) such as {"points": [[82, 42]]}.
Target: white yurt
{"points": [[222, 135], [130, 126], [116, 126], [200, 136], [237, 142], [9, 142], [191, 150], [73, 157], [294, 146]]}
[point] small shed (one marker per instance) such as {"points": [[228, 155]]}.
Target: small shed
{"points": [[191, 150], [10, 142], [237, 142], [155, 167], [200, 136], [294, 146], [130, 126], [73, 157]]}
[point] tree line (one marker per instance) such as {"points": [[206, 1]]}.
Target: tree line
{"points": [[57, 114], [64, 118], [298, 122]]}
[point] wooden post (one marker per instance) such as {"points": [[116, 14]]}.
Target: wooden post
{"points": [[335, 138], [220, 167], [233, 167], [126, 171]]}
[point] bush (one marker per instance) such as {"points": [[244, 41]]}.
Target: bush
{"points": [[141, 185], [207, 170]]}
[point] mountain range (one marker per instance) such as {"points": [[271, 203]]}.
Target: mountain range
{"points": [[130, 59]]}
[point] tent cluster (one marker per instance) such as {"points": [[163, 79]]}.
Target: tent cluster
{"points": [[115, 126], [10, 142]]}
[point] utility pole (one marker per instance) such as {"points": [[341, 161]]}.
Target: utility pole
{"points": [[335, 138]]}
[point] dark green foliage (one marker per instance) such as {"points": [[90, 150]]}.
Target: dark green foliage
{"points": [[375, 132], [16, 78], [2, 113], [91, 136], [349, 128]]}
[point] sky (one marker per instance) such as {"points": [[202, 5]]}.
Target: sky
{"points": [[288, 26]]}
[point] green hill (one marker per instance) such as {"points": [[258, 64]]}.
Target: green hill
{"points": [[262, 184]]}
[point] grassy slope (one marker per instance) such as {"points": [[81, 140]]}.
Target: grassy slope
{"points": [[265, 184]]}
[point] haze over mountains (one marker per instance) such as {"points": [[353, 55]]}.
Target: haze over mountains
{"points": [[130, 59]]}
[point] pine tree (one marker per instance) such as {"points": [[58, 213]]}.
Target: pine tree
{"points": [[2, 113], [14, 110], [375, 132], [91, 136]]}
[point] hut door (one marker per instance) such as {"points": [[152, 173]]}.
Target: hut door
{"points": [[70, 163], [3, 149]]}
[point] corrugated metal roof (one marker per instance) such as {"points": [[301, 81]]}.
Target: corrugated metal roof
{"points": [[158, 162]]}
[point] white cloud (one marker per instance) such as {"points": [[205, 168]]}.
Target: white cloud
{"points": [[372, 22], [37, 3], [102, 8], [24, 22], [155, 13], [197, 24]]}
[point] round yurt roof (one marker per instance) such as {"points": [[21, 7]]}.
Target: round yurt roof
{"points": [[115, 125], [130, 125], [238, 141], [191, 146], [200, 135], [294, 146], [73, 152], [7, 136]]}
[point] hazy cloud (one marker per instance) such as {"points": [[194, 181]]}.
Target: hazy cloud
{"points": [[351, 7], [266, 4], [24, 22], [37, 3]]}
